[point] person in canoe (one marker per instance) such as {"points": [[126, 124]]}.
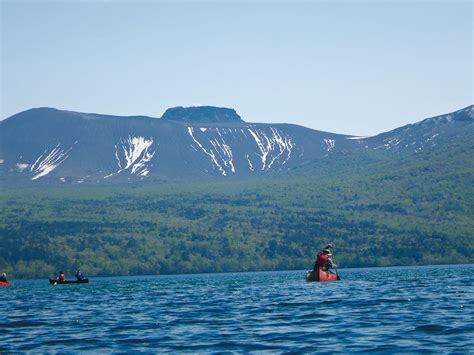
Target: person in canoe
{"points": [[79, 275], [61, 276], [324, 259], [3, 277]]}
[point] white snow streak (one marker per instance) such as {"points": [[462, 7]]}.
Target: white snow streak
{"points": [[271, 145], [134, 153], [394, 141], [282, 145], [362, 137], [250, 163], [210, 153], [432, 137], [47, 163], [224, 149], [330, 144]]}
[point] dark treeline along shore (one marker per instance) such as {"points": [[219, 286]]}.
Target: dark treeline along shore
{"points": [[407, 211]]}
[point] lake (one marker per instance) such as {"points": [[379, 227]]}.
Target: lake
{"points": [[400, 309]]}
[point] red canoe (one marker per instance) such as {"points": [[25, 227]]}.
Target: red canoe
{"points": [[3, 283], [321, 276]]}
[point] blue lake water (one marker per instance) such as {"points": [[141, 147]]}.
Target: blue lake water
{"points": [[423, 309]]}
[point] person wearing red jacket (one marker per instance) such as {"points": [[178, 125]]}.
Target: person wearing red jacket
{"points": [[61, 276], [324, 260]]}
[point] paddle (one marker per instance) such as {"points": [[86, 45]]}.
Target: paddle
{"points": [[335, 268]]}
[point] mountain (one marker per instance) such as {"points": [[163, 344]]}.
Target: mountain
{"points": [[427, 133], [193, 143], [404, 197], [186, 143]]}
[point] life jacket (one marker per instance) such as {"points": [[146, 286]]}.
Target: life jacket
{"points": [[61, 277], [322, 259]]}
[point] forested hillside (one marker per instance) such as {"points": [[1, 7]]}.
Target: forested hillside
{"points": [[407, 210]]}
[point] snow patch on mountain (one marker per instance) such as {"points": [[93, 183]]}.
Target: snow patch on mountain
{"points": [[432, 137], [213, 153], [227, 157], [134, 154], [48, 161], [330, 144], [21, 167], [250, 163], [392, 142], [272, 147], [357, 137]]}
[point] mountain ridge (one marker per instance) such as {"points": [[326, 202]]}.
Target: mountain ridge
{"points": [[188, 144], [464, 114]]}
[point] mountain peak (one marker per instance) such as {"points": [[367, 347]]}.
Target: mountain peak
{"points": [[466, 114], [202, 114]]}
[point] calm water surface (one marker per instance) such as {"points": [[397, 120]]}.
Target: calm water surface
{"points": [[424, 309]]}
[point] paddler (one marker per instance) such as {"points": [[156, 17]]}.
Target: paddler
{"points": [[324, 260], [79, 275], [3, 278], [61, 276]]}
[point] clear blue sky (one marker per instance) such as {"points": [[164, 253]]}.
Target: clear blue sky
{"points": [[342, 66]]}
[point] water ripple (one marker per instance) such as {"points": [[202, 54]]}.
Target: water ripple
{"points": [[22, 324], [395, 310]]}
